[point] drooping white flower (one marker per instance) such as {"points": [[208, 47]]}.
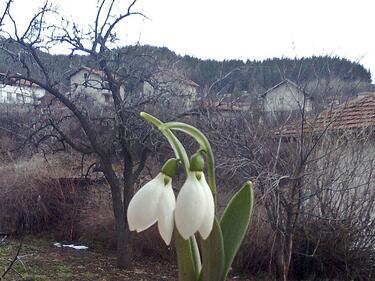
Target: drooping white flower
{"points": [[194, 209], [208, 220], [154, 202]]}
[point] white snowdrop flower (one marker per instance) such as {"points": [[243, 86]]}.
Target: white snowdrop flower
{"points": [[154, 202], [208, 220], [194, 208]]}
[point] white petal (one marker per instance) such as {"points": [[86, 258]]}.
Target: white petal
{"points": [[190, 205], [142, 209], [165, 214], [208, 220]]}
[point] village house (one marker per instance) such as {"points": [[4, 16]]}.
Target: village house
{"points": [[19, 92], [91, 83], [181, 92], [355, 115], [285, 96], [344, 153]]}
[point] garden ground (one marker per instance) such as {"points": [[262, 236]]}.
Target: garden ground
{"points": [[39, 260]]}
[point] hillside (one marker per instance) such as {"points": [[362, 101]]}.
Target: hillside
{"points": [[258, 76], [251, 76]]}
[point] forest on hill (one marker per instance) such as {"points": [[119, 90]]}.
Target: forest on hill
{"points": [[261, 73], [252, 76]]}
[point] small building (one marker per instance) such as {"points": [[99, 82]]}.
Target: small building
{"points": [[19, 91], [286, 96], [355, 115], [178, 90], [341, 166], [92, 83]]}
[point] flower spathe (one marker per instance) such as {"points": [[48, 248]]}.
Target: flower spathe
{"points": [[154, 202], [194, 207]]}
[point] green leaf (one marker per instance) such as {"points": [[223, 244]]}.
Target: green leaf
{"points": [[213, 256], [186, 266], [235, 222]]}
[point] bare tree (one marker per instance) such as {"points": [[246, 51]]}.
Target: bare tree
{"points": [[111, 132]]}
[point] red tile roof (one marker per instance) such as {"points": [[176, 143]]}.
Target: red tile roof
{"points": [[358, 113], [14, 81], [89, 70], [173, 75], [224, 106]]}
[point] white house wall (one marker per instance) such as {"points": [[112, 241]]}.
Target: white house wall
{"points": [[178, 93], [345, 172], [92, 86], [10, 94], [285, 98]]}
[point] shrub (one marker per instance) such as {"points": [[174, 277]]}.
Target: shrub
{"points": [[33, 198], [332, 249]]}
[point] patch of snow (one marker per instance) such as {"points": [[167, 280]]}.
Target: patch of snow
{"points": [[76, 247]]}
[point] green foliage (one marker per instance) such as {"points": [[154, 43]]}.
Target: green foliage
{"points": [[185, 259], [213, 255], [235, 222]]}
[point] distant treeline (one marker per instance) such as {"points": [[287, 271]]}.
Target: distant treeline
{"points": [[254, 74], [251, 76]]}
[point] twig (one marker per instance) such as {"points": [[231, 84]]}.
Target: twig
{"points": [[13, 261]]}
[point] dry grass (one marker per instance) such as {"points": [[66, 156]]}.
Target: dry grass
{"points": [[31, 196], [32, 199]]}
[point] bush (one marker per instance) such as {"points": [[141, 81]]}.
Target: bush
{"points": [[255, 252], [332, 250], [34, 198]]}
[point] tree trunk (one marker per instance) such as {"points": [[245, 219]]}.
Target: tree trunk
{"points": [[283, 254], [124, 258], [279, 257], [128, 192]]}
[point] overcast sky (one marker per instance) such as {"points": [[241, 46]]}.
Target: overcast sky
{"points": [[241, 29]]}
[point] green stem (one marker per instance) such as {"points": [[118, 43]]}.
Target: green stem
{"points": [[176, 145], [197, 257], [187, 270], [205, 145]]}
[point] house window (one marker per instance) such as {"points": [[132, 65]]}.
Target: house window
{"points": [[85, 76], [281, 100], [9, 96], [106, 98], [34, 98], [19, 97]]}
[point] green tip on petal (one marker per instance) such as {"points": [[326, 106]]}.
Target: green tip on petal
{"points": [[170, 167], [167, 179], [197, 162]]}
